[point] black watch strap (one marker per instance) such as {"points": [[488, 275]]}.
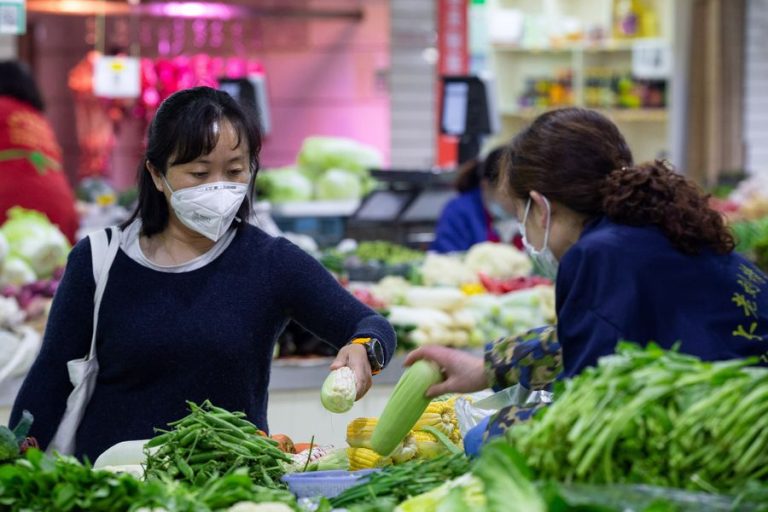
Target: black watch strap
{"points": [[374, 351]]}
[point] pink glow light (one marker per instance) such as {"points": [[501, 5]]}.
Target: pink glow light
{"points": [[194, 10]]}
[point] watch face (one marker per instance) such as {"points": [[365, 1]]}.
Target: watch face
{"points": [[378, 351]]}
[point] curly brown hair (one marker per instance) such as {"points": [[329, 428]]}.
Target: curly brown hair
{"points": [[580, 159], [652, 193]]}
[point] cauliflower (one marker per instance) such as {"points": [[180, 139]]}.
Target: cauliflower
{"points": [[339, 390], [499, 261], [391, 290], [10, 314], [444, 270]]}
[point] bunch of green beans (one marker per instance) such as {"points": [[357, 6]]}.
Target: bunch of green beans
{"points": [[646, 415], [211, 442]]}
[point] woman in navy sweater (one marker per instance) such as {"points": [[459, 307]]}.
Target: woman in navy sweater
{"points": [[470, 217], [638, 253], [196, 297]]}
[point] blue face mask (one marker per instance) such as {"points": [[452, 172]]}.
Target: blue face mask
{"points": [[543, 258], [498, 212]]}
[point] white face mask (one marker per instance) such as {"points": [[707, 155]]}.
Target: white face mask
{"points": [[544, 258], [209, 208]]}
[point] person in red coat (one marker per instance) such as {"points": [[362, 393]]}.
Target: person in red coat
{"points": [[31, 173]]}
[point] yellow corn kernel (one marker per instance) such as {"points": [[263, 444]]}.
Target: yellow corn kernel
{"points": [[359, 432], [427, 445], [473, 289], [363, 458], [406, 451], [440, 415]]}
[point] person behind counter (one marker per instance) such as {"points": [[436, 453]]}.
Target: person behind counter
{"points": [[638, 253], [30, 156], [191, 310], [470, 218]]}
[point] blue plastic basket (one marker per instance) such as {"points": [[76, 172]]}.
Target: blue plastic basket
{"points": [[324, 483]]}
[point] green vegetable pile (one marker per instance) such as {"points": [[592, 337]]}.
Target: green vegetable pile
{"points": [[13, 442], [326, 169], [752, 239], [35, 247], [397, 483], [62, 484], [387, 252], [646, 415], [377, 259], [211, 442], [499, 480]]}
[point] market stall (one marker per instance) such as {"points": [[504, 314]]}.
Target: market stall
{"points": [[659, 443]]}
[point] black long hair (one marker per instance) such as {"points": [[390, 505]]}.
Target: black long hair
{"points": [[473, 172], [184, 128], [17, 82]]}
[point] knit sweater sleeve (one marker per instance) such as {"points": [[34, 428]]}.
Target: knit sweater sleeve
{"points": [[311, 295], [67, 336]]}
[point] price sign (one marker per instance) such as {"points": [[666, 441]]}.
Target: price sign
{"points": [[651, 59], [13, 17], [117, 77]]}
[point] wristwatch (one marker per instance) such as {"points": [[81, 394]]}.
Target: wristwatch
{"points": [[375, 352]]}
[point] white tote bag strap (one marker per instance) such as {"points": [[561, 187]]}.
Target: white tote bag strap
{"points": [[84, 372], [103, 253]]}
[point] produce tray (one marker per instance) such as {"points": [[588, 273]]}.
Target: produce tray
{"points": [[324, 483]]}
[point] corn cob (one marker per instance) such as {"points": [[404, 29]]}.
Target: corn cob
{"points": [[405, 406], [406, 451], [359, 432], [363, 458], [440, 415], [428, 446]]}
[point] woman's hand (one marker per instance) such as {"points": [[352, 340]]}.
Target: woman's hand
{"points": [[356, 358], [464, 373]]}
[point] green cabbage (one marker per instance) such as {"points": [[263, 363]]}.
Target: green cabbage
{"points": [[32, 238], [284, 185], [318, 154], [338, 184]]}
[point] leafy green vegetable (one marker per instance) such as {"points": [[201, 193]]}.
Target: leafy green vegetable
{"points": [[749, 233], [655, 417], [506, 479], [318, 154], [34, 240], [9, 447], [339, 184], [285, 184], [42, 483], [462, 494], [22, 427], [11, 440], [387, 252]]}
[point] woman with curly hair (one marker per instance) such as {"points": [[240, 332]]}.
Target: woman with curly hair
{"points": [[637, 252]]}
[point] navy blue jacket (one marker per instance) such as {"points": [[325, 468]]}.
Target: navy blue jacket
{"points": [[165, 338], [462, 224], [629, 283]]}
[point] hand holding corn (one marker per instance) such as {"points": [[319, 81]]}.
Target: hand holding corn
{"points": [[464, 373]]}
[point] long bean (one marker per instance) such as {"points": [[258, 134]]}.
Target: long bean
{"points": [[210, 442]]}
